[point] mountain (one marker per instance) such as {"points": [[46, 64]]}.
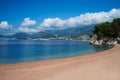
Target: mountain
{"points": [[2, 35], [42, 35], [70, 32], [74, 32], [20, 36]]}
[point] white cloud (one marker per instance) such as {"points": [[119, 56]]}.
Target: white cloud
{"points": [[28, 26], [52, 23], [27, 30], [82, 20], [5, 25], [27, 22], [6, 28]]}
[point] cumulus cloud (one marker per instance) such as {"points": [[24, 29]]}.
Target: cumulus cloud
{"points": [[27, 22], [28, 30], [52, 23], [5, 25], [28, 26], [82, 20], [6, 28]]}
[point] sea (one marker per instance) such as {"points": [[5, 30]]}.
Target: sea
{"points": [[16, 51]]}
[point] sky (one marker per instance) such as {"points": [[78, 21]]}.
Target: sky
{"points": [[37, 15]]}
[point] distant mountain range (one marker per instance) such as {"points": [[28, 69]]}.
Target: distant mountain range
{"points": [[74, 32], [71, 32]]}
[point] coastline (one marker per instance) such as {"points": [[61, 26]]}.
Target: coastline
{"points": [[102, 65]]}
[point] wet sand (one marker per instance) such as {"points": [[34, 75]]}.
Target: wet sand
{"points": [[104, 65]]}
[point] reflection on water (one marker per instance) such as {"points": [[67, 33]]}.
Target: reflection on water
{"points": [[13, 51]]}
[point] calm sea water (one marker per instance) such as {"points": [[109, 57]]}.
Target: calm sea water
{"points": [[14, 51]]}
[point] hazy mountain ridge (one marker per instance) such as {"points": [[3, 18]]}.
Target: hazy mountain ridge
{"points": [[70, 32], [74, 32]]}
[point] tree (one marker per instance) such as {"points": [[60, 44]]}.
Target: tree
{"points": [[106, 30], [116, 25], [102, 29]]}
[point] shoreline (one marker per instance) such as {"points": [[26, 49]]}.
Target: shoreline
{"points": [[83, 56], [62, 67]]}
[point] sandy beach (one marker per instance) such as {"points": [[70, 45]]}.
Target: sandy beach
{"points": [[104, 65]]}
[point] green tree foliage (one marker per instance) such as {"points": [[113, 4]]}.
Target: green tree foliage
{"points": [[116, 25], [107, 29]]}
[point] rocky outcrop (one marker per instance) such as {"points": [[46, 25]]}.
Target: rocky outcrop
{"points": [[103, 41]]}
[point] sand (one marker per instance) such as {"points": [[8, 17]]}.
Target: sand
{"points": [[103, 65]]}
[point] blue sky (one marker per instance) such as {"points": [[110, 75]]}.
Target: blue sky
{"points": [[14, 12]]}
